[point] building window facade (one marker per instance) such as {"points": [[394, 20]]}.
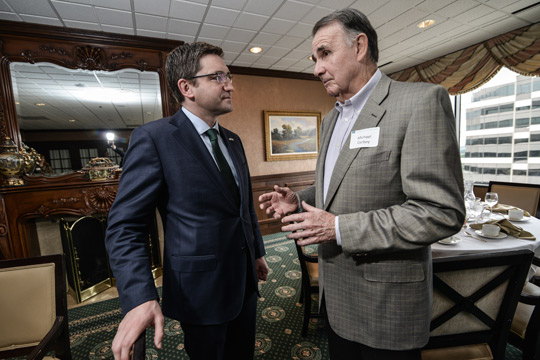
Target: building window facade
{"points": [[500, 130]]}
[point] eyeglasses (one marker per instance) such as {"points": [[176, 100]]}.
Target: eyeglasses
{"points": [[221, 77]]}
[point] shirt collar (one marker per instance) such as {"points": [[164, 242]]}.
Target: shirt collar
{"points": [[359, 99], [199, 124]]}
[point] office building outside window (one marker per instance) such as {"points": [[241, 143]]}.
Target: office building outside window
{"points": [[500, 130]]}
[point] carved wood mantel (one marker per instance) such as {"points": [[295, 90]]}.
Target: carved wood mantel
{"points": [[45, 197]]}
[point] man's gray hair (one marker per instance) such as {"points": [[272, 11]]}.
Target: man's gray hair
{"points": [[354, 22]]}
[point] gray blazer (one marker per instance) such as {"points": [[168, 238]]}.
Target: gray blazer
{"points": [[393, 201]]}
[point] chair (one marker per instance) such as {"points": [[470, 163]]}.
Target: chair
{"points": [[525, 329], [536, 277], [524, 196], [474, 300], [310, 284], [139, 348], [33, 308]]}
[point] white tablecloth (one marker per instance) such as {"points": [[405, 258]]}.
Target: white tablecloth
{"points": [[476, 244]]}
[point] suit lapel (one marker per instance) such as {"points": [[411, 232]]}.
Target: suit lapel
{"points": [[369, 117], [235, 152], [187, 137]]}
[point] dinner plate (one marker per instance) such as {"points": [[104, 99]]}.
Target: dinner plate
{"points": [[523, 219], [452, 240], [500, 236]]}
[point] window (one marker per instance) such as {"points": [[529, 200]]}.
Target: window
{"points": [[477, 141], [504, 90], [489, 119], [536, 84], [87, 155], [520, 155], [524, 88], [505, 123], [60, 161], [522, 122]]}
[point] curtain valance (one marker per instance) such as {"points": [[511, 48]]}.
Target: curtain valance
{"points": [[469, 68]]}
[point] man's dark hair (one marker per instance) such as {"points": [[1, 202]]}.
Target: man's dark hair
{"points": [[354, 22], [184, 62]]}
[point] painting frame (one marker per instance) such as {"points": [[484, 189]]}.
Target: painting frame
{"points": [[285, 144]]}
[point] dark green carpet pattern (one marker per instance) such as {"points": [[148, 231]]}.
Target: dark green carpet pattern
{"points": [[279, 319]]}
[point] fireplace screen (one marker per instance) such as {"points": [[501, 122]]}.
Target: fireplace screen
{"points": [[83, 240]]}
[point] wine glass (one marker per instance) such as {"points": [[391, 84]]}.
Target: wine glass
{"points": [[491, 200]]}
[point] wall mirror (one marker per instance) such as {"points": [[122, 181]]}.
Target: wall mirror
{"points": [[65, 113], [62, 90]]}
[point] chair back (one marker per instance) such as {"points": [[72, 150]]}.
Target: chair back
{"points": [[33, 302], [524, 196], [474, 300], [308, 264]]}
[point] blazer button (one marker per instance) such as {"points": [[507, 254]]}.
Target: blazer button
{"points": [[243, 248]]}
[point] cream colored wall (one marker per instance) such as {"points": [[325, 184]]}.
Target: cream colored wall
{"points": [[253, 95]]}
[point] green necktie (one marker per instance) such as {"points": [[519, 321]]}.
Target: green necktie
{"points": [[223, 165]]}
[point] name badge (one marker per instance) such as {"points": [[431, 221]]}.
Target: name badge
{"points": [[365, 138]]}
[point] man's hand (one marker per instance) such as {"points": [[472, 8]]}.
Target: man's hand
{"points": [[280, 202], [318, 226], [262, 268], [146, 315]]}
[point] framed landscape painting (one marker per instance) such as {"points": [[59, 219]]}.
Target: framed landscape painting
{"points": [[291, 135]]}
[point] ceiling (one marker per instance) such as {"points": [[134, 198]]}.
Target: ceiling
{"points": [[283, 27]]}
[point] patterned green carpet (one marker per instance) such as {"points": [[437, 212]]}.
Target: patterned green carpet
{"points": [[279, 323]]}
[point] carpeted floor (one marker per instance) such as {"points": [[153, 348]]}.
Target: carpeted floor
{"points": [[279, 323]]}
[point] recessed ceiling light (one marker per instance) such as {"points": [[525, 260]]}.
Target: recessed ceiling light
{"points": [[256, 49], [17, 103], [39, 104], [71, 120], [425, 24]]}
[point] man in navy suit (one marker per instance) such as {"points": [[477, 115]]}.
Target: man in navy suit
{"points": [[213, 248]]}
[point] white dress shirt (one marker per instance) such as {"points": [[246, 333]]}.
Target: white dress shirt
{"points": [[348, 114]]}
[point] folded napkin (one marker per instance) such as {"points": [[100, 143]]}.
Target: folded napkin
{"points": [[503, 209], [509, 228]]}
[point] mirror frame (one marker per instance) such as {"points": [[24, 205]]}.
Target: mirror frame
{"points": [[75, 49]]}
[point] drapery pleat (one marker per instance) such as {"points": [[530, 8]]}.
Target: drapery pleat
{"points": [[470, 68]]}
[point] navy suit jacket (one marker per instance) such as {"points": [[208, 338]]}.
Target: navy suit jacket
{"points": [[210, 244]]}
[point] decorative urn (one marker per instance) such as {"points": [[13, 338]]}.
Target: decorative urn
{"points": [[12, 163], [100, 168]]}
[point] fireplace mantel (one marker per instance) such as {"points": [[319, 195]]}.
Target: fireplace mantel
{"points": [[43, 197]]}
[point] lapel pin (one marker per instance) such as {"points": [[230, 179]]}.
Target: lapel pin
{"points": [[231, 139]]}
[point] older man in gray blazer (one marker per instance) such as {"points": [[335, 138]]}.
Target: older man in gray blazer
{"points": [[388, 184]]}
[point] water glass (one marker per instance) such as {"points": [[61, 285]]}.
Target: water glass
{"points": [[476, 209]]}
